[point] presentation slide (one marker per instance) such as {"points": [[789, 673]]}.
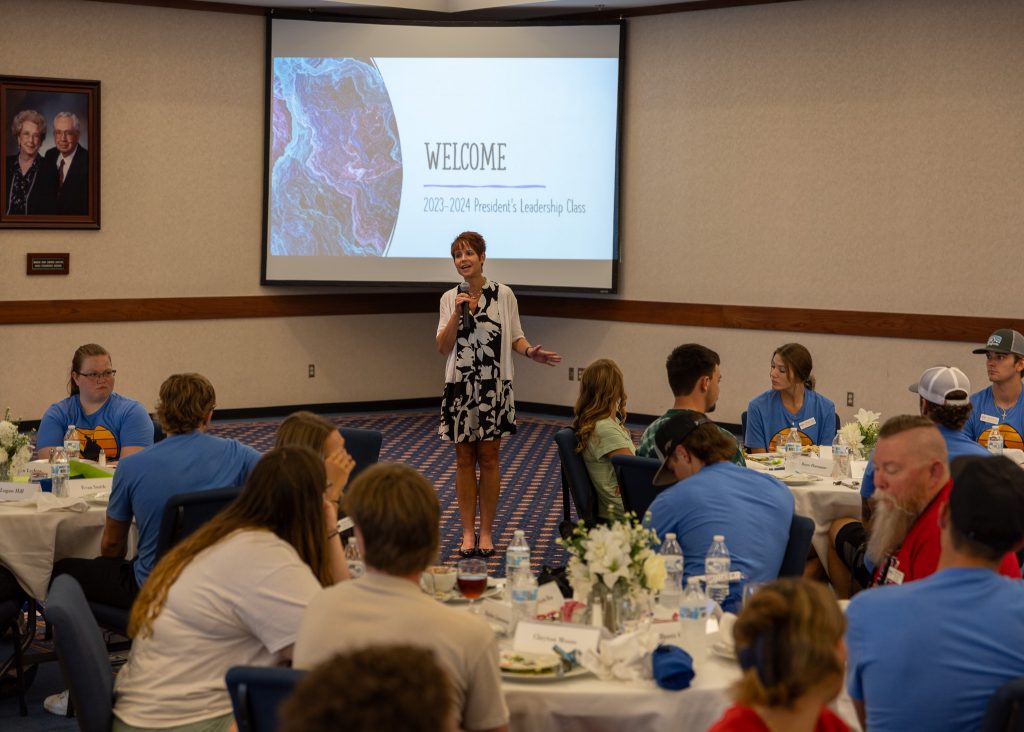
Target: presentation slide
{"points": [[386, 141]]}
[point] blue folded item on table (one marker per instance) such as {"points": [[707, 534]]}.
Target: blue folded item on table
{"points": [[673, 667]]}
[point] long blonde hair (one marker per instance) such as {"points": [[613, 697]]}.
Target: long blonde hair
{"points": [[284, 495], [602, 390]]}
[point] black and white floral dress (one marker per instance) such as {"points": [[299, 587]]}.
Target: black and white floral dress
{"points": [[478, 404]]}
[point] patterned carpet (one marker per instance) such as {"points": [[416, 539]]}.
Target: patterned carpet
{"points": [[531, 495]]}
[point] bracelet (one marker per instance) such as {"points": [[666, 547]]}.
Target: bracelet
{"points": [[332, 534]]}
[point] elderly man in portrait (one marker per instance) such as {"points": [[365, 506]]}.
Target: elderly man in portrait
{"points": [[70, 163]]}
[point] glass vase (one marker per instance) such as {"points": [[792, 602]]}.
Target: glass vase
{"points": [[5, 471], [606, 606]]}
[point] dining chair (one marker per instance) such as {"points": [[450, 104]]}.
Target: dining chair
{"points": [[83, 658], [575, 483], [636, 476], [363, 445], [1004, 712], [257, 692], [801, 531], [183, 514], [10, 617]]}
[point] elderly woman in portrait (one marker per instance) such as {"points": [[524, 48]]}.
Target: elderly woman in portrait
{"points": [[30, 185]]}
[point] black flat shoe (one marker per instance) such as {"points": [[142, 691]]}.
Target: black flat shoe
{"points": [[470, 553]]}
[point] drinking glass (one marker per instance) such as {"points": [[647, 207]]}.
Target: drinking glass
{"points": [[749, 590], [472, 580]]}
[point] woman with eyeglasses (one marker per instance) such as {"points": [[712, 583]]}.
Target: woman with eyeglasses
{"points": [[104, 419], [31, 184]]}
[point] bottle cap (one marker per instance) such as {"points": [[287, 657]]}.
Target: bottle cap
{"points": [[719, 537], [670, 535], [520, 532]]}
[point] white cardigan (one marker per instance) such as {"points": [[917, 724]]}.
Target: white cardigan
{"points": [[511, 329]]}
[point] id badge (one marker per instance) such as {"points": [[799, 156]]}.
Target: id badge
{"points": [[893, 575]]}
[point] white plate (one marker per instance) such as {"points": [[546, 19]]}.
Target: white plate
{"points": [[99, 499], [798, 478], [543, 678], [724, 650], [523, 662]]}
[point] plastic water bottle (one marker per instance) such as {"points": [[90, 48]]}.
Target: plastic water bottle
{"points": [[693, 618], [792, 448], [716, 570], [60, 471], [841, 467], [71, 443], [672, 593], [524, 595], [518, 553], [648, 522], [356, 566], [995, 440]]}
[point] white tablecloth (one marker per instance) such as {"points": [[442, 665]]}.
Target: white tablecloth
{"points": [[587, 704], [31, 541]]}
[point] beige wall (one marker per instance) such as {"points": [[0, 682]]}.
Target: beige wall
{"points": [[808, 154]]}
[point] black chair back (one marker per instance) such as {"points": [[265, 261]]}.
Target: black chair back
{"points": [[82, 655], [257, 692], [636, 476], [1004, 713], [363, 446], [575, 482], [743, 428], [186, 512], [801, 531]]}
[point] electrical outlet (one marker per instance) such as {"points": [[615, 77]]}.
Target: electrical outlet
{"points": [[579, 372], [849, 398], [570, 373], [312, 371]]}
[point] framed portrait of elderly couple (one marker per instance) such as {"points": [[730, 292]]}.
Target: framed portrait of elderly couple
{"points": [[51, 151]]}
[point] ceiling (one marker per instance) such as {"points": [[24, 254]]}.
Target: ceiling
{"points": [[472, 9]]}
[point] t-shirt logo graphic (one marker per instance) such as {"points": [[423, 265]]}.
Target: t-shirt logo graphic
{"points": [[101, 435], [780, 437]]}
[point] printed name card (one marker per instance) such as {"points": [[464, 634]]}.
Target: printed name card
{"points": [[17, 491], [89, 487], [534, 637], [549, 598], [670, 633], [496, 609], [814, 466]]}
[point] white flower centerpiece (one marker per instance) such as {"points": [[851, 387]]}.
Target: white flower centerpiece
{"points": [[862, 434], [609, 563], [15, 447]]}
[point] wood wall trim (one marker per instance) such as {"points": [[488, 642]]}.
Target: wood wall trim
{"points": [[914, 326]]}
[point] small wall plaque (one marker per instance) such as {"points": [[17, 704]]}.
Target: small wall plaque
{"points": [[47, 263]]}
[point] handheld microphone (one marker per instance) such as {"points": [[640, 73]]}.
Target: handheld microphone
{"points": [[464, 315]]}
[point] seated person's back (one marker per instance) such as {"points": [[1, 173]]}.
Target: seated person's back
{"points": [[396, 515]]}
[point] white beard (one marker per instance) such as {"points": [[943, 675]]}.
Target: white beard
{"points": [[889, 527]]}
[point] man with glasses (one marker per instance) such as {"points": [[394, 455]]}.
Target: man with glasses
{"points": [[1000, 404], [69, 162]]}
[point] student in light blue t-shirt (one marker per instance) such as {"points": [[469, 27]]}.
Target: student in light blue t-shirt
{"points": [[104, 420], [791, 402], [1001, 403]]}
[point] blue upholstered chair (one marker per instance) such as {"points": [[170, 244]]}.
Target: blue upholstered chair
{"points": [[636, 476], [801, 531], [575, 483], [257, 692], [363, 446]]}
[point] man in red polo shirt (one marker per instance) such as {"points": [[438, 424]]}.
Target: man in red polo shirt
{"points": [[912, 485]]}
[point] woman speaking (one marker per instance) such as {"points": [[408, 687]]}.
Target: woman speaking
{"points": [[478, 330]]}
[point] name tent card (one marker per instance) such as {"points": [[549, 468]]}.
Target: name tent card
{"points": [[532, 637], [89, 486], [17, 491], [814, 466], [549, 598]]}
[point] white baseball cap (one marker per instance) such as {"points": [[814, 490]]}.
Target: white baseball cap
{"points": [[938, 381]]}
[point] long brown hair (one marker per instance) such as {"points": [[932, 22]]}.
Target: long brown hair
{"points": [[306, 429], [601, 389], [283, 495], [798, 362]]}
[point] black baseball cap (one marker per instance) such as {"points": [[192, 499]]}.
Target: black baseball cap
{"points": [[1003, 341], [675, 429], [986, 503]]}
